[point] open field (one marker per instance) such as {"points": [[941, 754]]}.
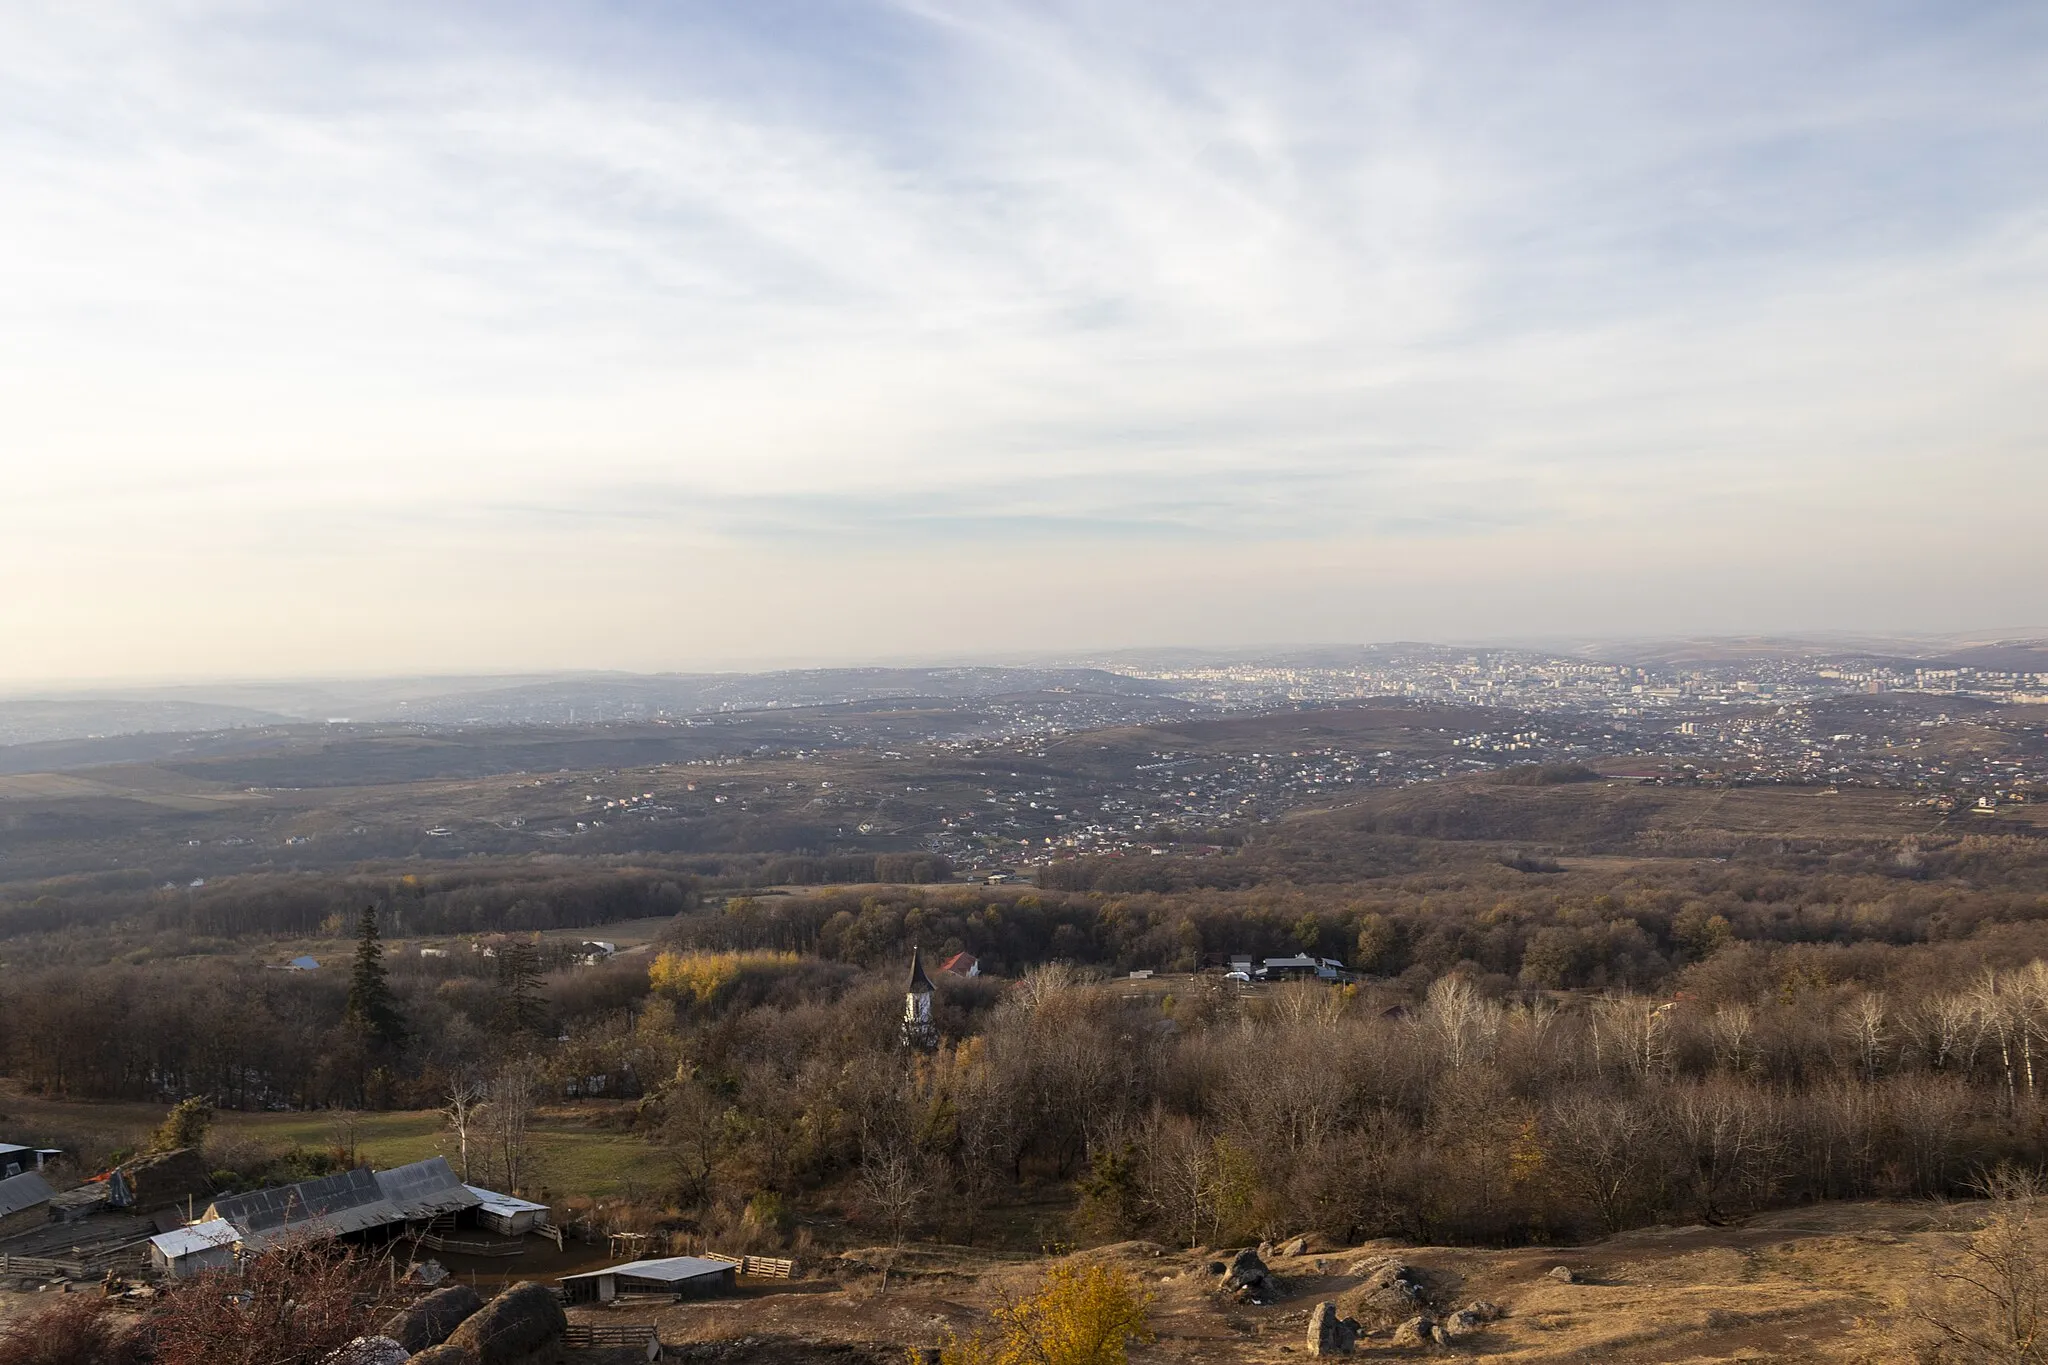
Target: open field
{"points": [[581, 1148]]}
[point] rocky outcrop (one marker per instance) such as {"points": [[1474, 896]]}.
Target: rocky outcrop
{"points": [[446, 1354], [1392, 1289], [522, 1326], [1419, 1330], [1248, 1281], [431, 1319], [1330, 1334]]}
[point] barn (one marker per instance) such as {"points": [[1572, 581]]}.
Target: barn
{"points": [[333, 1206], [426, 1190], [671, 1277]]}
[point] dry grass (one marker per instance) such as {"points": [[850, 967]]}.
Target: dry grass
{"points": [[1805, 1285]]}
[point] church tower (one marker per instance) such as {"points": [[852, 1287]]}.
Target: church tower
{"points": [[917, 1005]]}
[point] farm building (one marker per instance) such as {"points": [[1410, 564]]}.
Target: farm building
{"points": [[14, 1158], [24, 1201], [182, 1252], [674, 1277], [506, 1214], [1300, 967], [426, 1189], [332, 1206], [82, 1202]]}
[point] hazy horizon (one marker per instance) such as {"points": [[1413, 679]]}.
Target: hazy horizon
{"points": [[1907, 644], [384, 341]]}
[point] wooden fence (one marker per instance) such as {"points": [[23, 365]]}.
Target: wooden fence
{"points": [[613, 1336], [39, 1265], [434, 1241], [762, 1267]]}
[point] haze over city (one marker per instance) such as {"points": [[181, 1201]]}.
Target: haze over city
{"points": [[380, 338]]}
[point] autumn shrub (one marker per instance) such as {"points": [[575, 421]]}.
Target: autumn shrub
{"points": [[294, 1304], [1080, 1314], [72, 1329]]}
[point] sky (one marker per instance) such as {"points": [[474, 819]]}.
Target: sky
{"points": [[439, 336]]}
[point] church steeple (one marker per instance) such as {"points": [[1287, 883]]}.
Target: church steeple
{"points": [[920, 984], [917, 1005]]}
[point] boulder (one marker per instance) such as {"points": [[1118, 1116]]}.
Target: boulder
{"points": [[1329, 1334], [1485, 1310], [1391, 1287], [1419, 1330], [1250, 1282], [1564, 1274], [525, 1323], [1462, 1323], [432, 1318], [448, 1353], [370, 1351], [1296, 1247]]}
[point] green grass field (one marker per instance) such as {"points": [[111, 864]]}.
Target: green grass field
{"points": [[575, 1158], [577, 1155]]}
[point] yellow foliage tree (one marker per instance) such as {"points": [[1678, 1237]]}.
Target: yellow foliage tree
{"points": [[1079, 1315], [700, 976]]}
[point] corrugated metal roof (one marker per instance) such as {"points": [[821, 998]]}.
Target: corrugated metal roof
{"points": [[24, 1191], [667, 1270], [214, 1232], [504, 1205], [426, 1188], [334, 1205]]}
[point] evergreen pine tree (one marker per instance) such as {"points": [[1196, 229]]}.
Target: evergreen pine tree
{"points": [[371, 1007], [519, 981]]}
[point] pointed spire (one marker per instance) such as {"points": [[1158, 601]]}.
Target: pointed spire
{"points": [[920, 984]]}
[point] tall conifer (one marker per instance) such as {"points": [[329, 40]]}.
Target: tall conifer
{"points": [[371, 1007]]}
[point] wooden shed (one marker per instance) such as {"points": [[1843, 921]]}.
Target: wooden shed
{"points": [[183, 1252], [671, 1277], [506, 1213]]}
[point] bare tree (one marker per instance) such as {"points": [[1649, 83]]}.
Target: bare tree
{"points": [[1866, 1024], [1730, 1139], [505, 1130], [892, 1182], [693, 1129], [464, 1102], [1634, 1034], [1462, 1024], [1951, 1030], [1604, 1150], [1988, 1303], [1179, 1175], [347, 1127], [1733, 1030]]}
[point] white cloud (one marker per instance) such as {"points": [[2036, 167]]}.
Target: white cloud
{"points": [[1134, 303]]}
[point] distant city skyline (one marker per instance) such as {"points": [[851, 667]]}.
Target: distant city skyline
{"points": [[384, 340]]}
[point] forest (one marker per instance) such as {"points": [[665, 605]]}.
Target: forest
{"points": [[1523, 1058]]}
